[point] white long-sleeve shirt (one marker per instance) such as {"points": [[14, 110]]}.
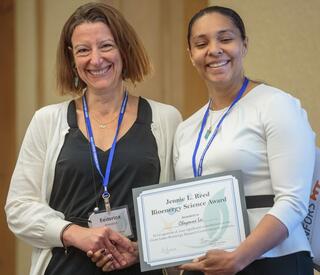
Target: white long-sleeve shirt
{"points": [[268, 137]]}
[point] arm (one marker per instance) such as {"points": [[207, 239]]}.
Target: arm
{"points": [[291, 156], [165, 121], [28, 214], [258, 242], [290, 151]]}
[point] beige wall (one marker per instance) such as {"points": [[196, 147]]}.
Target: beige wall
{"points": [[156, 38], [284, 47], [283, 51]]}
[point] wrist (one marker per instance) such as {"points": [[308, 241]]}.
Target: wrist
{"points": [[65, 235], [240, 261]]}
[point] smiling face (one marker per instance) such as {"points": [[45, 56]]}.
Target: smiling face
{"points": [[97, 58], [217, 49]]}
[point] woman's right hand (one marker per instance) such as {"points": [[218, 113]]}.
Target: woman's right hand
{"points": [[94, 239]]}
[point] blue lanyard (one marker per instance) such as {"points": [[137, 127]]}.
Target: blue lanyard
{"points": [[113, 147], [198, 171]]}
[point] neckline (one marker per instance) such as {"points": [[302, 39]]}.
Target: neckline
{"points": [[73, 123], [214, 112]]}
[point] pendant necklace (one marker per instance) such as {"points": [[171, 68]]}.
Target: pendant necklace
{"points": [[197, 169], [209, 130], [103, 125]]}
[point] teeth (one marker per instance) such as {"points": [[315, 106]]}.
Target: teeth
{"points": [[99, 72], [216, 65]]}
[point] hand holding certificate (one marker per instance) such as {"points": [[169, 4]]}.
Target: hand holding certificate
{"points": [[180, 221]]}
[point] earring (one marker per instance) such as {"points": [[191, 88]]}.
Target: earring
{"points": [[124, 74], [76, 82]]}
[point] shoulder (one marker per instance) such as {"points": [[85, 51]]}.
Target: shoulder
{"points": [[280, 110], [268, 95], [165, 109], [267, 102], [52, 110], [45, 123], [51, 115], [161, 111], [193, 120]]}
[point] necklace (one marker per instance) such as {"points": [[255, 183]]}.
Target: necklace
{"points": [[209, 130], [104, 125], [197, 169]]}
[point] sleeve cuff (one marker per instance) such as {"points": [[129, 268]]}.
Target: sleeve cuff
{"points": [[53, 231]]}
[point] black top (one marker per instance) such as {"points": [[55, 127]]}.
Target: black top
{"points": [[77, 185]]}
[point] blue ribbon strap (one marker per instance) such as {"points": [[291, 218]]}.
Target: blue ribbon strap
{"points": [[93, 148], [197, 170]]}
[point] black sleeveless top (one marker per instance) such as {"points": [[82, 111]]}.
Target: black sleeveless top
{"points": [[77, 185]]}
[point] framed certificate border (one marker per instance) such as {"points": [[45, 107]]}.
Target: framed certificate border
{"points": [[145, 202]]}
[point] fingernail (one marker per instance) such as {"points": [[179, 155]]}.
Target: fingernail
{"points": [[123, 262]]}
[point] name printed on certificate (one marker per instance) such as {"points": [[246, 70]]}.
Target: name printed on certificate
{"points": [[182, 221]]}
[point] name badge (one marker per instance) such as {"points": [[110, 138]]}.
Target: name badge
{"points": [[117, 219]]}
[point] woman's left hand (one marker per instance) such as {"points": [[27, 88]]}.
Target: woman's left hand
{"points": [[106, 261], [259, 241], [215, 262]]}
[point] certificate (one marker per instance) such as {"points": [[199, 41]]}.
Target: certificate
{"points": [[179, 221]]}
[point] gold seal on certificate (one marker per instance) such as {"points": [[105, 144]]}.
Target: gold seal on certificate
{"points": [[179, 221]]}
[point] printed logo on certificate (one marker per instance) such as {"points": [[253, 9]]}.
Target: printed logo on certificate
{"points": [[117, 219], [180, 221]]}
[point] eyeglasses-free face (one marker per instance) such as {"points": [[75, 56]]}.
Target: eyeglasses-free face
{"points": [[97, 58], [217, 49]]}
